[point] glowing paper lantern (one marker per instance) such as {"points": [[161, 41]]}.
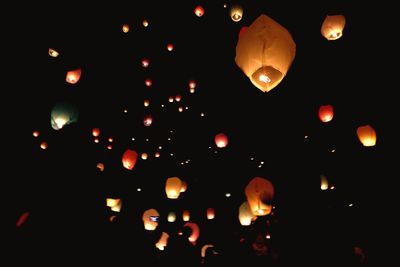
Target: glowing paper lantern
{"points": [[150, 220], [221, 140], [114, 203], [178, 98], [147, 120], [332, 27], [157, 154], [171, 217], [148, 82], [173, 187], [125, 28], [100, 166], [95, 132], [192, 84], [129, 159], [183, 187], [324, 183], [185, 215], [367, 135], [265, 53], [144, 156], [162, 243], [199, 11], [170, 47], [245, 214], [210, 213], [53, 53], [259, 193], [236, 13], [35, 133], [325, 113], [146, 102], [145, 63], [145, 23], [73, 76], [195, 232], [62, 114]]}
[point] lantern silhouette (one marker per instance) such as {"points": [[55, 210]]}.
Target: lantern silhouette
{"points": [[73, 76], [129, 159], [173, 187], [259, 193], [195, 232], [221, 140], [171, 217], [332, 27], [210, 213], [62, 114], [245, 214], [146, 102], [145, 23], [367, 135], [325, 113], [163, 241], [185, 215], [150, 219], [265, 53], [324, 183], [236, 13], [199, 11]]}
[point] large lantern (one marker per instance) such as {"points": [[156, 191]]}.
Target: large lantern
{"points": [[325, 113], [62, 114], [129, 159], [245, 214], [332, 27], [236, 13], [73, 76], [221, 140], [265, 53], [173, 187], [259, 193], [195, 232], [367, 135], [150, 219]]}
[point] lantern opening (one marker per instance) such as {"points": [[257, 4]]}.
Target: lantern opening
{"points": [[266, 78]]}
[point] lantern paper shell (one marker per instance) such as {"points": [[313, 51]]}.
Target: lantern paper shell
{"points": [[199, 11], [149, 223], [73, 76], [162, 243], [325, 113], [195, 232], [236, 13], [62, 114], [173, 187], [332, 27], [183, 187], [114, 203], [265, 53], [186, 215], [245, 214], [367, 135], [259, 193], [129, 159], [221, 140], [210, 213]]}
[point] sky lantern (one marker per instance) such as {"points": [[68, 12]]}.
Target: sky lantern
{"points": [[144, 156], [221, 140], [95, 132], [259, 193], [163, 241], [100, 166], [210, 213], [114, 203], [145, 63], [367, 135], [129, 159], [44, 145], [195, 232], [125, 28], [199, 11], [147, 120], [325, 113], [178, 98], [170, 47], [62, 114], [157, 154], [183, 187], [150, 219], [173, 187], [53, 53], [324, 183], [265, 53], [192, 84], [332, 27], [185, 215], [146, 102], [171, 217], [236, 13], [170, 99], [73, 76], [148, 82], [145, 23], [245, 214], [204, 249], [35, 133]]}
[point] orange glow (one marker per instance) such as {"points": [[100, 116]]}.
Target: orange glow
{"points": [[96, 140], [199, 11], [325, 113], [221, 140], [173, 187], [186, 215], [149, 223], [367, 135], [178, 98], [35, 133], [324, 183], [171, 99], [144, 156], [192, 84], [110, 139], [236, 13], [210, 213], [100, 166], [148, 82], [147, 120], [145, 63], [195, 232], [53, 53], [157, 154], [73, 76], [162, 243], [125, 28], [332, 27], [183, 187], [145, 23], [95, 132], [129, 159], [259, 193], [170, 47], [146, 102], [43, 145]]}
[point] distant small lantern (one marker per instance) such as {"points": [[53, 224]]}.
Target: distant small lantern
{"points": [[53, 53], [144, 156], [367, 135], [171, 217], [221, 140], [146, 102], [145, 63], [35, 133], [236, 13], [186, 216], [170, 47], [95, 132], [129, 159], [148, 82], [147, 120], [163, 241], [125, 28], [150, 219], [178, 98], [170, 99], [183, 187], [114, 204], [259, 193], [173, 187], [325, 113], [100, 166], [73, 76], [43, 145], [145, 23], [332, 27], [324, 183], [210, 213], [199, 11], [265, 53], [192, 84]]}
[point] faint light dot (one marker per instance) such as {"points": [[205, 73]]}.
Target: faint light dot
{"points": [[171, 131], [171, 154], [209, 147], [351, 205], [186, 107], [252, 158], [109, 147], [262, 162], [35, 133], [125, 111], [215, 152], [110, 139], [268, 236], [162, 105], [202, 114], [182, 163], [145, 23], [332, 187], [138, 189], [227, 194], [333, 150], [187, 161], [96, 140], [306, 136], [169, 138], [259, 166], [159, 147], [224, 5], [147, 139], [133, 138]]}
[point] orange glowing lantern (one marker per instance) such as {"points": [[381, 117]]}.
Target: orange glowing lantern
{"points": [[147, 120], [195, 232], [183, 187], [100, 166], [157, 154], [236, 13], [332, 27], [245, 214], [144, 156], [53, 53], [95, 132], [173, 187], [192, 84], [145, 63], [265, 53], [73, 76], [146, 102], [35, 133], [129, 159], [199, 11], [180, 109], [178, 98], [186, 216], [324, 183], [114, 203], [163, 241], [150, 219], [43, 145], [221, 140], [145, 23], [367, 135], [148, 82], [325, 113], [171, 217], [170, 47], [210, 213], [259, 193], [125, 28]]}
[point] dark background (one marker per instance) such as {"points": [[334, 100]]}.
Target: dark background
{"points": [[64, 191]]}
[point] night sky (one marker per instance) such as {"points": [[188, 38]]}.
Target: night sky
{"points": [[275, 135]]}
